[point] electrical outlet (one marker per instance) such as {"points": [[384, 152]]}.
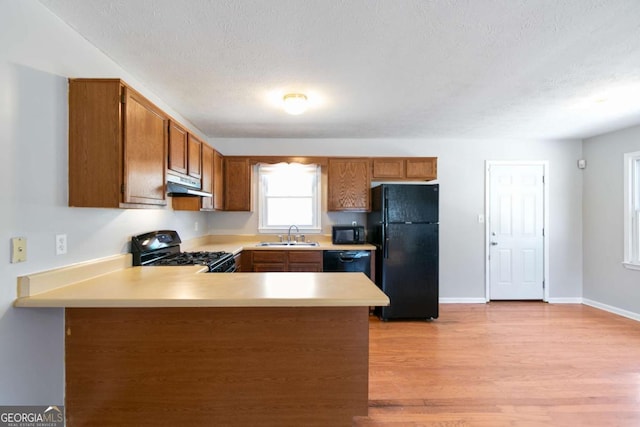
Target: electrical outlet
{"points": [[61, 244], [18, 249], [195, 226]]}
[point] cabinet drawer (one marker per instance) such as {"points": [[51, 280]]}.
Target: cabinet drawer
{"points": [[305, 256], [309, 267], [269, 256], [265, 267]]}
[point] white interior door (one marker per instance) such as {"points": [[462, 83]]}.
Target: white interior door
{"points": [[516, 231]]}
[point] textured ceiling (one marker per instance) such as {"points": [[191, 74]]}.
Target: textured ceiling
{"points": [[547, 69]]}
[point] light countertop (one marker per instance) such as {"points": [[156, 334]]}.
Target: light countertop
{"points": [[112, 282], [191, 287]]}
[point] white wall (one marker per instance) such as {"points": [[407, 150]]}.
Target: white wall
{"points": [[37, 54], [606, 281], [461, 168]]}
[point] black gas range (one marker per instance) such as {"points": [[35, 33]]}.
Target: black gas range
{"points": [[162, 248]]}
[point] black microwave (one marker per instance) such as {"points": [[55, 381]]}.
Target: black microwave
{"points": [[347, 235]]}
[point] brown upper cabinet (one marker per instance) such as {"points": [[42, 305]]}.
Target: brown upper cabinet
{"points": [[237, 184], [117, 146], [207, 176], [218, 181], [177, 148], [194, 162], [185, 151], [410, 168], [349, 183], [212, 164]]}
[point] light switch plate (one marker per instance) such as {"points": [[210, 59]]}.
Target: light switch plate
{"points": [[18, 249]]}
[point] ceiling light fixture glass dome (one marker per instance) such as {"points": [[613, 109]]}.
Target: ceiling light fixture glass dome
{"points": [[295, 103]]}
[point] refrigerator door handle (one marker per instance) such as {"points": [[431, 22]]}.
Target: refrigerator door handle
{"points": [[385, 242], [385, 206]]}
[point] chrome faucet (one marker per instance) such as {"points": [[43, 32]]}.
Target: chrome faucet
{"points": [[289, 233]]}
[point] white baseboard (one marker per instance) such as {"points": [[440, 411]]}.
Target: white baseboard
{"points": [[612, 309], [585, 301], [463, 301], [564, 300]]}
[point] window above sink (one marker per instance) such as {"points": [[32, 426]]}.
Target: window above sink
{"points": [[289, 193]]}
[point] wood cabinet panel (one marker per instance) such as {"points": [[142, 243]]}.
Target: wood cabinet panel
{"points": [[144, 153], [392, 168], [177, 148], [117, 146], [207, 176], [349, 184], [269, 256], [237, 184], [306, 267], [425, 168], [247, 260], [265, 261], [289, 260], [190, 203], [218, 181], [185, 151], [309, 261], [266, 267], [405, 168], [216, 366], [194, 163], [208, 185], [305, 256]]}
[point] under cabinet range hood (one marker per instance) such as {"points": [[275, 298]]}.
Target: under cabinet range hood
{"points": [[179, 186]]}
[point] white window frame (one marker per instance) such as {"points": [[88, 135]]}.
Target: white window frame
{"points": [[632, 210], [315, 227]]}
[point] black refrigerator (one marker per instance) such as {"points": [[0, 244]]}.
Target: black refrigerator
{"points": [[403, 225]]}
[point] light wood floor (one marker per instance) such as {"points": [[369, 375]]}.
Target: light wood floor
{"points": [[505, 364]]}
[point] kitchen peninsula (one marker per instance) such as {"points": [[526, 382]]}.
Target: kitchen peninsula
{"points": [[165, 347]]}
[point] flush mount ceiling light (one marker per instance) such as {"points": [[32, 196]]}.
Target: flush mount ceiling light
{"points": [[295, 103]]}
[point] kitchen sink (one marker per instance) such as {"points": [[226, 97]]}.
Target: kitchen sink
{"points": [[288, 244]]}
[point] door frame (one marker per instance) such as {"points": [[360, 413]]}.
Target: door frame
{"points": [[545, 208]]}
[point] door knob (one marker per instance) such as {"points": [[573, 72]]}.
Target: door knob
{"points": [[494, 243]]}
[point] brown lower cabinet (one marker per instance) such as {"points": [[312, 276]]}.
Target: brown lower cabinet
{"points": [[310, 261], [216, 366], [276, 261]]}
